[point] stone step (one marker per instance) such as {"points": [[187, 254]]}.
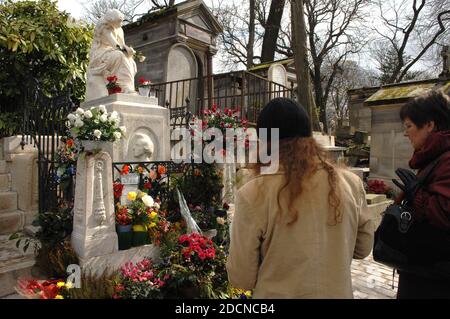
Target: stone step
{"points": [[8, 202], [3, 167], [11, 222], [5, 182], [14, 264]]}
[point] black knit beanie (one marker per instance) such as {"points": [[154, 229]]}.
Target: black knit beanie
{"points": [[286, 114]]}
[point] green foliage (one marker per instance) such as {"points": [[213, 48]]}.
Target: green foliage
{"points": [[38, 40], [55, 226], [9, 122], [95, 287], [201, 186]]}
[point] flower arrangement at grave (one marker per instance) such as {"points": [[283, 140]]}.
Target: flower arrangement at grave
{"points": [[202, 187], [43, 289], [154, 182], [65, 165], [138, 281], [144, 86], [123, 216], [376, 186], [144, 83], [112, 85], [193, 267], [95, 124], [223, 119]]}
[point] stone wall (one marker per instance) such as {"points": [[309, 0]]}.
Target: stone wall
{"points": [[360, 114], [154, 41]]}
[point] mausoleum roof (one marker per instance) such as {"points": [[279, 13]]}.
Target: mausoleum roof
{"points": [[179, 9], [266, 65], [401, 92]]}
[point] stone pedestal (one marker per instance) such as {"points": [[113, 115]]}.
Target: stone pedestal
{"points": [[112, 262], [147, 124], [93, 221]]}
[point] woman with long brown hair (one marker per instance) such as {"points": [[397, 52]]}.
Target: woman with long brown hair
{"points": [[294, 232]]}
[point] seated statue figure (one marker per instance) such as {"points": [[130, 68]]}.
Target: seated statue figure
{"points": [[110, 56]]}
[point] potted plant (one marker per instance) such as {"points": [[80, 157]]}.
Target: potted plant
{"points": [[141, 208], [95, 128], [112, 85], [144, 86], [124, 227]]}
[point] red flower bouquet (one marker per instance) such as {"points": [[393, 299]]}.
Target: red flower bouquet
{"points": [[376, 186], [112, 85], [43, 289], [143, 83], [123, 216]]}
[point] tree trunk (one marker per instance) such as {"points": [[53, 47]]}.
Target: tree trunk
{"points": [[319, 98], [251, 35], [304, 91], [271, 30]]}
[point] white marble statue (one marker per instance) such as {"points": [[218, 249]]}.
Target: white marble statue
{"points": [[110, 56], [142, 147]]}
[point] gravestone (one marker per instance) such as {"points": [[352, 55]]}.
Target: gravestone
{"points": [[94, 237], [94, 231], [277, 74]]}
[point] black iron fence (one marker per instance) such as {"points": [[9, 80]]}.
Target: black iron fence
{"points": [[243, 90], [41, 124]]}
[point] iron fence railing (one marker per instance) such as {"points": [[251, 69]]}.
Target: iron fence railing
{"points": [[243, 90], [41, 123]]}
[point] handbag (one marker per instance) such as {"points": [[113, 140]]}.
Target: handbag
{"points": [[415, 247]]}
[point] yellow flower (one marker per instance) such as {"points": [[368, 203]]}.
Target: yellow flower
{"points": [[69, 285], [131, 196], [153, 215], [59, 297], [152, 224], [60, 284], [248, 293]]}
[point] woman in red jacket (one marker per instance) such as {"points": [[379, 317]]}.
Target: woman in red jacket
{"points": [[426, 121]]}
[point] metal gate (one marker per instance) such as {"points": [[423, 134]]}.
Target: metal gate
{"points": [[43, 126]]}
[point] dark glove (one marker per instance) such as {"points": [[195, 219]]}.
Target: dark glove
{"points": [[410, 183]]}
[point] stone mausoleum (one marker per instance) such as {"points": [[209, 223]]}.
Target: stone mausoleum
{"points": [[179, 42]]}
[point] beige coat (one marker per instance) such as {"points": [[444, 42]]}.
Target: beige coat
{"points": [[308, 259]]}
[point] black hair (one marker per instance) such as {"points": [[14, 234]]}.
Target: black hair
{"points": [[433, 106], [287, 115]]}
